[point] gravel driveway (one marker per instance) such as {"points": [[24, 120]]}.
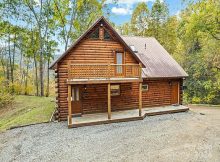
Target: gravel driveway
{"points": [[188, 136]]}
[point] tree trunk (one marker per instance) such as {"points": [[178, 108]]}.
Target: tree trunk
{"points": [[9, 57], [36, 76], [26, 79], [41, 74], [48, 78], [12, 65]]}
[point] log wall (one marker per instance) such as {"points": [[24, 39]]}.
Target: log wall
{"points": [[94, 98], [88, 51]]}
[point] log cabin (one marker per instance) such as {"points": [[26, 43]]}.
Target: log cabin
{"points": [[103, 71]]}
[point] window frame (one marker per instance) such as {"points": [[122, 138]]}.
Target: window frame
{"points": [[145, 89], [106, 31], [118, 93], [90, 35]]}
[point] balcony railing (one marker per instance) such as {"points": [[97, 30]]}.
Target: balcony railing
{"points": [[103, 71]]}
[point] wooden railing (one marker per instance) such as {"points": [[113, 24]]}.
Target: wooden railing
{"points": [[103, 71]]}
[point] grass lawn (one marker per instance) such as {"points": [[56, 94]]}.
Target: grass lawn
{"points": [[26, 110]]}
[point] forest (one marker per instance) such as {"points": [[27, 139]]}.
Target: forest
{"points": [[34, 32]]}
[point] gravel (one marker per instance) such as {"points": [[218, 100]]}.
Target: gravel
{"points": [[184, 137]]}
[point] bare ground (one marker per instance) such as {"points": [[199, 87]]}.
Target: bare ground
{"points": [[190, 136]]}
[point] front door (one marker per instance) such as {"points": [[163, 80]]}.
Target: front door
{"points": [[76, 100], [119, 60], [175, 93]]}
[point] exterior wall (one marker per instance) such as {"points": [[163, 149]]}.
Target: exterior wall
{"points": [[158, 94], [94, 97], [86, 52]]}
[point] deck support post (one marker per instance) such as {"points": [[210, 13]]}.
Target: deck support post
{"points": [[109, 101], [140, 98], [69, 106]]}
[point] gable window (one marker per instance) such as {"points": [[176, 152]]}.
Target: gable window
{"points": [[107, 36], [95, 34], [115, 90], [144, 87]]}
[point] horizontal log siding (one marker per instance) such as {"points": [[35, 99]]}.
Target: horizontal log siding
{"points": [[158, 94], [94, 98], [87, 52]]}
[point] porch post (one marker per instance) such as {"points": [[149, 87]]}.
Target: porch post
{"points": [[140, 98], [69, 105], [109, 101]]}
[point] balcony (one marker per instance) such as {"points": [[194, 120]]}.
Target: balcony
{"points": [[103, 73]]}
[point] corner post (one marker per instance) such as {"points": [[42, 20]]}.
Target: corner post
{"points": [[109, 101], [69, 106], [140, 98]]}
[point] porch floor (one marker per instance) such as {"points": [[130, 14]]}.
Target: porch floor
{"points": [[124, 115]]}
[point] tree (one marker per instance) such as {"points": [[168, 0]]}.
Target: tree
{"points": [[158, 16], [140, 19], [72, 17], [205, 17]]}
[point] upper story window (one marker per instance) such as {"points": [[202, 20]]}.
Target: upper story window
{"points": [[100, 33], [107, 36], [95, 34]]}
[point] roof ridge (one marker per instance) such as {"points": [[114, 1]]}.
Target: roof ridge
{"points": [[136, 36]]}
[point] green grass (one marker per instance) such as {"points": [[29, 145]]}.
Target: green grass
{"points": [[26, 110], [208, 105]]}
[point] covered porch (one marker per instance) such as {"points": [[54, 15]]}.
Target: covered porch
{"points": [[123, 116]]}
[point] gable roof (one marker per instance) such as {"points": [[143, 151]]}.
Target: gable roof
{"points": [[102, 18], [158, 62]]}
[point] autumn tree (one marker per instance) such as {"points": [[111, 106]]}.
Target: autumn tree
{"points": [[140, 19]]}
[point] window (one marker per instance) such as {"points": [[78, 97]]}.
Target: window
{"points": [[75, 94], [107, 35], [115, 90], [95, 34], [119, 61], [144, 87]]}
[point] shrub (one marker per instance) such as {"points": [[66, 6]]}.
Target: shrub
{"points": [[5, 98], [5, 95]]}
